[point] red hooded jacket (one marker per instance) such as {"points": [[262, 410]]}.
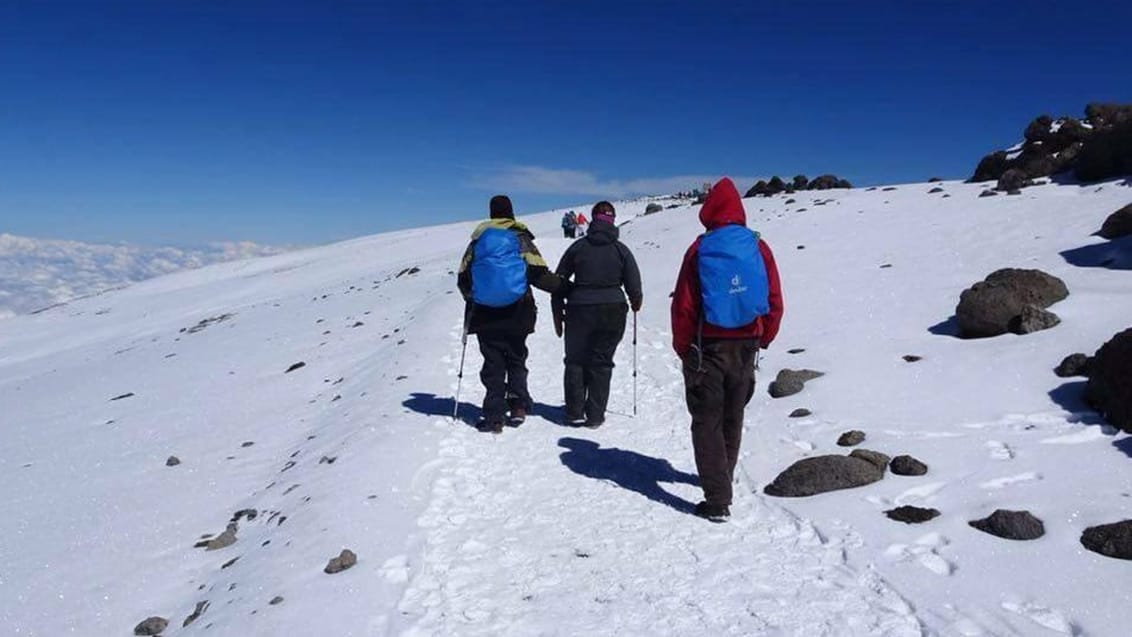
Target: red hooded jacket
{"points": [[722, 207]]}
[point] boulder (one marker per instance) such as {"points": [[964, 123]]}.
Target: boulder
{"points": [[345, 560], [1106, 155], [172, 461], [1110, 381], [1073, 365], [908, 466], [776, 185], [653, 208], [821, 474], [800, 413], [988, 193], [991, 167], [800, 182], [911, 514], [990, 307], [1011, 525], [1039, 129], [1118, 224], [791, 381], [151, 626], [875, 458], [1112, 540], [851, 438], [1013, 179], [1033, 319], [935, 190]]}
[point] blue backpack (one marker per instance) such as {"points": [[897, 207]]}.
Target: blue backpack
{"points": [[499, 274], [733, 280]]}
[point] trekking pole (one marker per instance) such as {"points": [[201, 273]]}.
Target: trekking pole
{"points": [[634, 364], [460, 374]]}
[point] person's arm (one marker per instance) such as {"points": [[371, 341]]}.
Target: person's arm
{"points": [[772, 319], [538, 274], [464, 276], [565, 270], [631, 278], [686, 304]]}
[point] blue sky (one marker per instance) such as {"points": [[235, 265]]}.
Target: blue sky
{"points": [[182, 122]]}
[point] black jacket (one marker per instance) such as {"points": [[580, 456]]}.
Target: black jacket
{"points": [[600, 266], [521, 315]]}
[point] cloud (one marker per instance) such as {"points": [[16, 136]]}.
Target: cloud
{"points": [[562, 181], [36, 273]]}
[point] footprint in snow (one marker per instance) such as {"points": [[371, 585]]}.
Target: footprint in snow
{"points": [[999, 483], [999, 450]]}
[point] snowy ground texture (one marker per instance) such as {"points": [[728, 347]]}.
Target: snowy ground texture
{"points": [[548, 530], [39, 273]]}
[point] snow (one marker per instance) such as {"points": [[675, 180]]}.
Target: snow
{"points": [[552, 530]]}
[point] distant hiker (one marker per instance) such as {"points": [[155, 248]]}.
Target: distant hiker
{"points": [[727, 305], [569, 225], [594, 312], [583, 224], [498, 268]]}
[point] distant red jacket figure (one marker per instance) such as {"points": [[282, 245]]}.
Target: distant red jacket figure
{"points": [[722, 207]]}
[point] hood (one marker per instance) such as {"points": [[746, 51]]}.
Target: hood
{"points": [[722, 206], [502, 224], [602, 233]]}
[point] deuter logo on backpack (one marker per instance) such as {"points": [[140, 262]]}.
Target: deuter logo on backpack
{"points": [[733, 280], [499, 274]]}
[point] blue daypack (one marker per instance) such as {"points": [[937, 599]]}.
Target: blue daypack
{"points": [[499, 274], [733, 279]]}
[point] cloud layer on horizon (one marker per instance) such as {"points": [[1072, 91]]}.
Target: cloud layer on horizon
{"points": [[564, 181], [37, 273]]}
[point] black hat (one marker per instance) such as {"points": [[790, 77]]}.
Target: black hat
{"points": [[501, 207]]}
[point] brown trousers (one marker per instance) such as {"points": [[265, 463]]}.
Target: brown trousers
{"points": [[717, 391]]}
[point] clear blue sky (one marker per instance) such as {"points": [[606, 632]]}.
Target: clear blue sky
{"points": [[185, 121]]}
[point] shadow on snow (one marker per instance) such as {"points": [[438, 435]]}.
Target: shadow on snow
{"points": [[1113, 255], [1071, 397], [469, 414], [627, 469]]}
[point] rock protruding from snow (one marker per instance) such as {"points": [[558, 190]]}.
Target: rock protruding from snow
{"points": [[820, 474], [224, 540], [908, 466], [151, 626], [172, 461], [1012, 180], [1112, 540], [911, 515], [1073, 365], [791, 381], [1033, 319], [1011, 525], [1110, 381], [801, 412], [996, 304], [851, 438], [197, 612], [345, 560], [1118, 224]]}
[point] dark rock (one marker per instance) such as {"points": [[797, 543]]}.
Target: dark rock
{"points": [[345, 560], [1039, 129], [122, 396], [988, 193], [800, 413], [935, 190], [1110, 381], [653, 208], [1013, 179], [1034, 161], [1033, 319], [876, 458], [172, 461], [1011, 525], [197, 612], [991, 167], [758, 189], [275, 601], [821, 474], [1073, 365], [912, 358], [989, 307], [1107, 154], [790, 382], [1112, 540], [911, 514], [907, 466], [934, 180], [775, 185], [250, 514], [247, 444], [800, 182], [790, 201], [851, 438], [298, 365], [151, 626], [224, 540], [796, 350], [1118, 224]]}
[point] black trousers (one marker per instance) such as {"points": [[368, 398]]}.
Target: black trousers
{"points": [[504, 373], [717, 393], [568, 233], [592, 335]]}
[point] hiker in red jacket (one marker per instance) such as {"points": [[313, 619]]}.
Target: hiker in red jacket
{"points": [[718, 361]]}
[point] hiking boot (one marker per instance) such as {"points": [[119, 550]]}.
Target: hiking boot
{"points": [[593, 424], [518, 416], [494, 426], [712, 512]]}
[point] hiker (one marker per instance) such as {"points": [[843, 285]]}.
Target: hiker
{"points": [[594, 312], [727, 305], [496, 274], [583, 224], [569, 224]]}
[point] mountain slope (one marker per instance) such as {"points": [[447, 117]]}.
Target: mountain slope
{"points": [[546, 529]]}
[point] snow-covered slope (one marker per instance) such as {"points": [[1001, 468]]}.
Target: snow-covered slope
{"points": [[546, 529], [37, 273]]}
